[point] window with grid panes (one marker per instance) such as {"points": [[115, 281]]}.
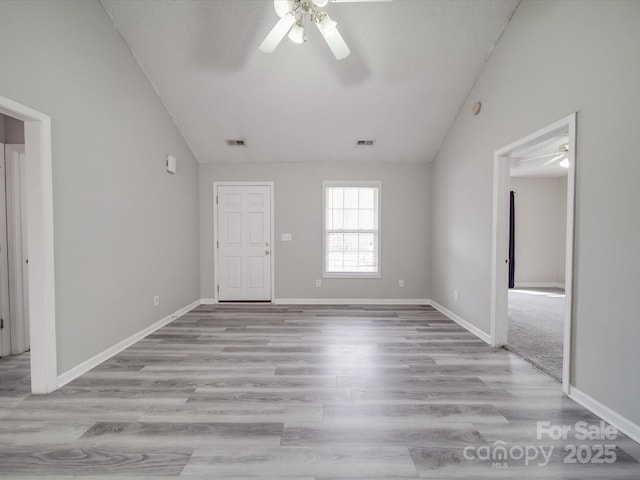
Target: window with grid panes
{"points": [[351, 229]]}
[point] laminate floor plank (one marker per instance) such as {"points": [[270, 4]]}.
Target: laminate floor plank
{"points": [[212, 379], [461, 434], [88, 477], [368, 462], [340, 369], [102, 411], [110, 402], [205, 370], [119, 476], [88, 460], [188, 435], [435, 383], [264, 395], [305, 392], [237, 412], [412, 414], [451, 395], [100, 391], [40, 432]]}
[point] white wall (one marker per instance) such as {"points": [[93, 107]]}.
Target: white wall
{"points": [[556, 57], [124, 229], [540, 212], [298, 210]]}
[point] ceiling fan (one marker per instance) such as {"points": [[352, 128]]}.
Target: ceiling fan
{"points": [[561, 154], [294, 16]]}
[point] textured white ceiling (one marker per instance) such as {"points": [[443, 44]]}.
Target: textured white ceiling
{"points": [[413, 63]]}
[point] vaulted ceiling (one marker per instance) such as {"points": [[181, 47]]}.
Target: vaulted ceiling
{"points": [[412, 65]]}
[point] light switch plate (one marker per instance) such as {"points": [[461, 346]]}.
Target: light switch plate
{"points": [[285, 237]]}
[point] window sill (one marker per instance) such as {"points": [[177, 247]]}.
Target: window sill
{"points": [[350, 275]]}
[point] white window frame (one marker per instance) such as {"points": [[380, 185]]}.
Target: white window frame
{"points": [[346, 184]]}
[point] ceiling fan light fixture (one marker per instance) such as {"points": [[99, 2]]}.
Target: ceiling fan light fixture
{"points": [[297, 33], [320, 3]]}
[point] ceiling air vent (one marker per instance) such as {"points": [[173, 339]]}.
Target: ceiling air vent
{"points": [[236, 142], [365, 143]]}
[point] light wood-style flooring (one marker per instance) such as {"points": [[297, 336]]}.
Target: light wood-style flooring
{"points": [[304, 392]]}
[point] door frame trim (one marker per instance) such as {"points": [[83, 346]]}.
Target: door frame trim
{"points": [[42, 297], [499, 281], [215, 297]]}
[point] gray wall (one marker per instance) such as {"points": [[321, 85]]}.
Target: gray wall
{"points": [[125, 230], [298, 210], [556, 57], [13, 131], [541, 226]]}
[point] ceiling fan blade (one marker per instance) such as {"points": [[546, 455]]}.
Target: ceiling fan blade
{"points": [[335, 41], [537, 157], [283, 7], [554, 159], [337, 45], [277, 33]]}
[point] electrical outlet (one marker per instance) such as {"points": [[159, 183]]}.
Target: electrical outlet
{"points": [[401, 283], [455, 295], [318, 283], [156, 300]]}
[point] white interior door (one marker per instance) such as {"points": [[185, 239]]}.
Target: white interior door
{"points": [[5, 324], [244, 242], [16, 208]]}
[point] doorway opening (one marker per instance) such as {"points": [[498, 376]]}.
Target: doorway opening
{"points": [[243, 229], [537, 249], [533, 247], [14, 306], [40, 282]]}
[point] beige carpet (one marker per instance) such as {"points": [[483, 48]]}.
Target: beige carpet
{"points": [[536, 327]]}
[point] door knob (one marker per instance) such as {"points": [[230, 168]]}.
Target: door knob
{"points": [[266, 252]]}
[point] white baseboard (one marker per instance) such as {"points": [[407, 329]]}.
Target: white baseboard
{"points": [[96, 360], [337, 301], [621, 423], [351, 301], [462, 322], [540, 285]]}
